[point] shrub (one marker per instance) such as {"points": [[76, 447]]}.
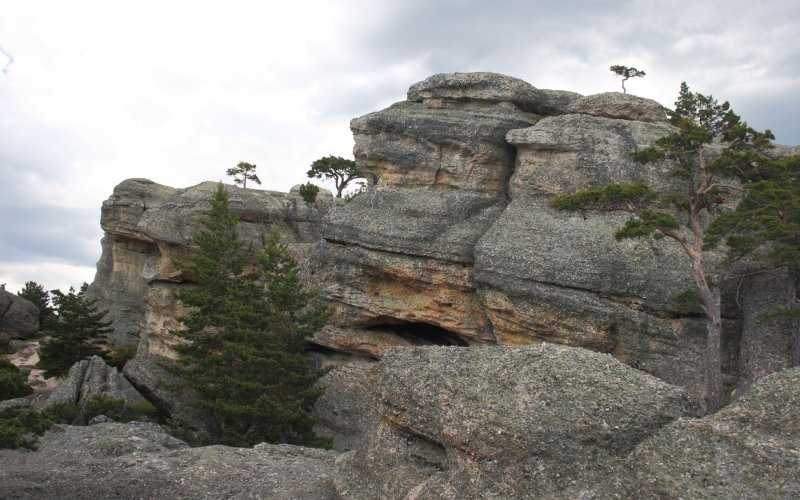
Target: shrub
{"points": [[113, 408], [309, 192], [119, 356], [66, 413], [13, 381], [20, 427]]}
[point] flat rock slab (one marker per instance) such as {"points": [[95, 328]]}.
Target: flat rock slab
{"points": [[140, 460]]}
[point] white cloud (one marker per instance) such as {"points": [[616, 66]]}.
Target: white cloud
{"points": [[51, 275], [5, 61], [179, 91]]}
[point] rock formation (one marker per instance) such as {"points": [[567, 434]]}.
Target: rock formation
{"points": [[494, 422], [19, 318], [454, 242], [140, 460], [89, 378]]}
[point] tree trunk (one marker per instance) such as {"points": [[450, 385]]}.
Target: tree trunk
{"points": [[794, 344], [339, 191], [714, 386], [710, 297]]}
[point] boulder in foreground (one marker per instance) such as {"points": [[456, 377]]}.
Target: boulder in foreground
{"points": [[497, 421]]}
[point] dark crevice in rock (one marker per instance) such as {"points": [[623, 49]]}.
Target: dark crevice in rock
{"points": [[449, 260], [317, 353], [419, 333]]}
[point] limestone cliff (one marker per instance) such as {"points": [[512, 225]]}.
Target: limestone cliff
{"points": [[454, 242]]}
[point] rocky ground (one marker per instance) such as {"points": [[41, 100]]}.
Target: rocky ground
{"points": [[140, 460], [540, 421]]}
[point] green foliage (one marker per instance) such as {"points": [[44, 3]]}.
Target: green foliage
{"points": [[626, 72], [114, 408], [688, 303], [145, 408], [77, 324], [309, 192], [769, 214], [117, 357], [649, 222], [242, 173], [20, 427], [609, 197], [41, 299], [13, 381], [5, 341], [246, 325], [341, 170], [101, 404], [65, 413]]}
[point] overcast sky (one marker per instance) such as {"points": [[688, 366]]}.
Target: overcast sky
{"points": [[92, 93]]}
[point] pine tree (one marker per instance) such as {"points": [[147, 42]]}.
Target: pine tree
{"points": [[76, 325], [768, 220], [341, 170], [242, 173], [700, 121], [626, 73], [36, 293], [247, 320]]}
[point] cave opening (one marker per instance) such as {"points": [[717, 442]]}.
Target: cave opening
{"points": [[419, 333]]}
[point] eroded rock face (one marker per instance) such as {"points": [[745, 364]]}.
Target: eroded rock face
{"points": [[503, 422], [148, 226], [455, 244], [19, 318]]}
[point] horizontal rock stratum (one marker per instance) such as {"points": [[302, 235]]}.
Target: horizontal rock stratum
{"points": [[454, 242]]}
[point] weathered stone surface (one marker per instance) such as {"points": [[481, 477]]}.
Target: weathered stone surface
{"points": [[463, 88], [19, 318], [89, 378], [750, 449], [148, 226], [409, 145], [503, 422], [563, 154], [765, 346], [347, 410], [139, 460], [617, 105], [150, 374]]}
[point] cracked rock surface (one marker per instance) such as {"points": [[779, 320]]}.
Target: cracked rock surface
{"points": [[140, 460]]}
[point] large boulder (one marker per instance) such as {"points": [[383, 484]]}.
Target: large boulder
{"points": [[488, 88], [19, 318], [90, 378], [497, 421], [140, 460], [750, 449]]}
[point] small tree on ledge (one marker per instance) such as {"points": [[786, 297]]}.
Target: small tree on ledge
{"points": [[341, 170], [242, 173], [679, 216], [625, 72]]}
